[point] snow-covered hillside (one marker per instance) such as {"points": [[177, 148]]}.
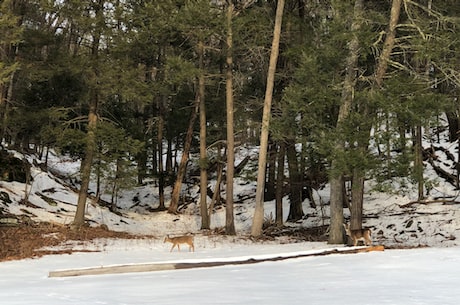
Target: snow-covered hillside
{"points": [[393, 220]]}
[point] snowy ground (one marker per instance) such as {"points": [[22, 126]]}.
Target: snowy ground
{"points": [[398, 277]]}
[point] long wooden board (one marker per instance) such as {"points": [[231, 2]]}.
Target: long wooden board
{"points": [[175, 266]]}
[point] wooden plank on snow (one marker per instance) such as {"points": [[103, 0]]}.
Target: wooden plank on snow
{"points": [[112, 270], [175, 266]]}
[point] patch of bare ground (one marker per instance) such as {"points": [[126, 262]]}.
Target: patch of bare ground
{"points": [[29, 240], [296, 234]]}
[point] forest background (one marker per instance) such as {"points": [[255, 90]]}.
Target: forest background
{"points": [[128, 86]]}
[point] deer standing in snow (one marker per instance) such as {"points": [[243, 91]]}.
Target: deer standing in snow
{"points": [[357, 235], [185, 239]]}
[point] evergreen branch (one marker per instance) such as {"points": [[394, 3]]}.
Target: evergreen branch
{"points": [[426, 9], [241, 7], [78, 119], [449, 73]]}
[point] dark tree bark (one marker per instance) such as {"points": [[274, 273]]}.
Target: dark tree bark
{"points": [[216, 194], [357, 192], [453, 120], [86, 163], [280, 184], [203, 154], [161, 172], [169, 156], [271, 170], [229, 217], [419, 161], [295, 183]]}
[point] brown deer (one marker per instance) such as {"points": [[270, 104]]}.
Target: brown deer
{"points": [[176, 241], [357, 235]]}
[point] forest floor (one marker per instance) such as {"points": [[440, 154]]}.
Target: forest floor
{"points": [[35, 239]]}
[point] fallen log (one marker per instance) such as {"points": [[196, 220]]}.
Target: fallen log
{"points": [[177, 266], [452, 179], [443, 201]]}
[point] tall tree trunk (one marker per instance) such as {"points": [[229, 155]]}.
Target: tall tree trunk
{"points": [[161, 172], [453, 120], [169, 157], [389, 42], [203, 154], [98, 172], [142, 155], [216, 194], [280, 184], [229, 217], [271, 167], [419, 161], [5, 103], [86, 163], [115, 184], [158, 162], [3, 108], [85, 168], [359, 175], [141, 160], [183, 162], [336, 178], [9, 47], [154, 155], [357, 192], [295, 181], [259, 208]]}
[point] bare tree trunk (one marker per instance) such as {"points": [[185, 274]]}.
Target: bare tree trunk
{"points": [[271, 175], [216, 194], [154, 156], [336, 185], [280, 184], [115, 185], [158, 160], [453, 120], [229, 217], [389, 42], [419, 161], [85, 168], [336, 206], [357, 192], [295, 181], [98, 172], [169, 156], [457, 135], [4, 103], [203, 154], [3, 109], [183, 162], [161, 172], [8, 57], [259, 208]]}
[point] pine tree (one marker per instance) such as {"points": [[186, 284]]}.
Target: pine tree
{"points": [[11, 29], [259, 210]]}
